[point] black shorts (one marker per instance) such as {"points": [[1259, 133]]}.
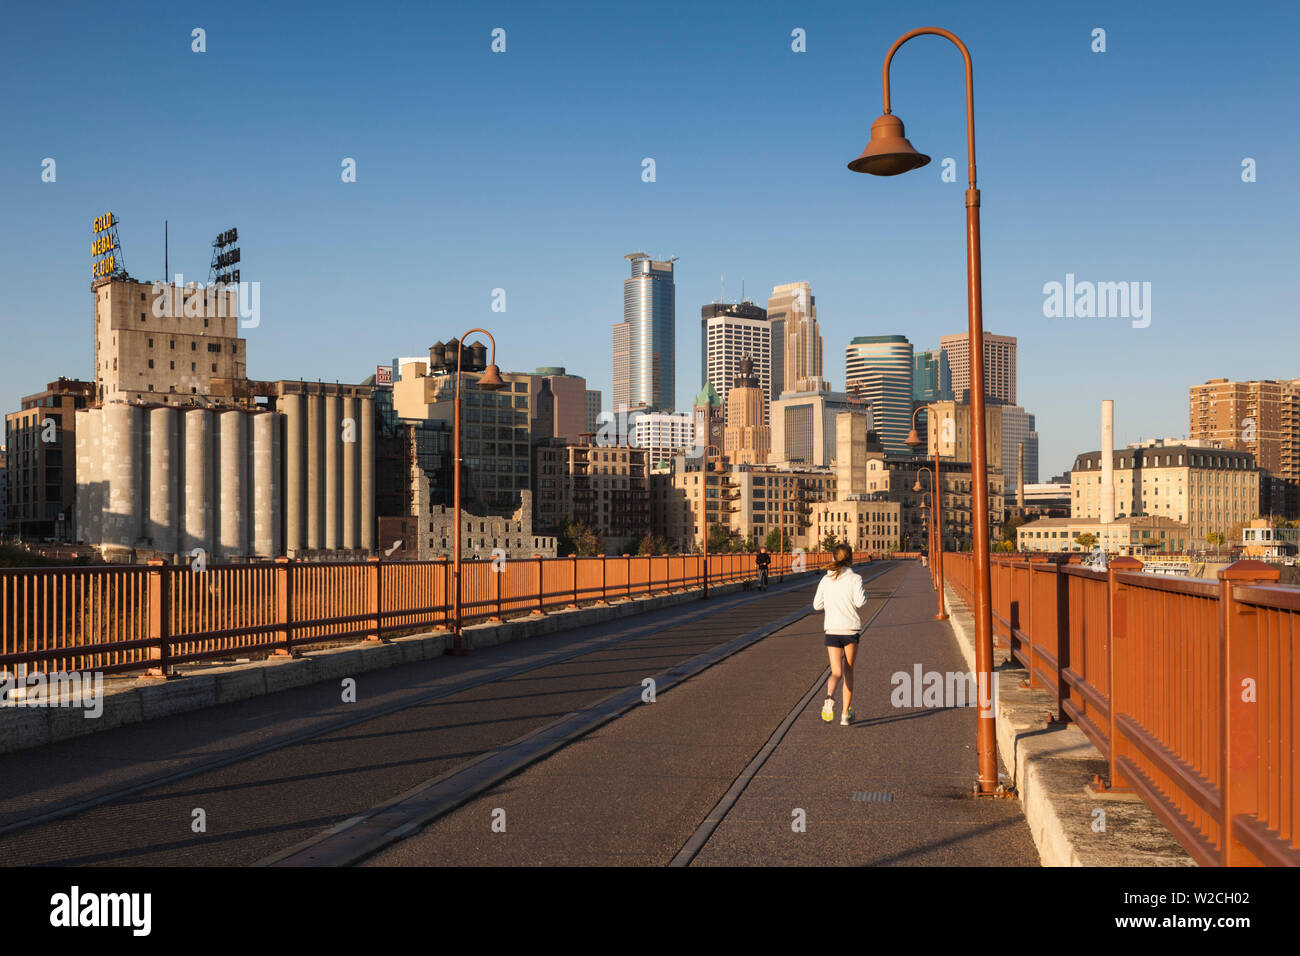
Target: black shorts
{"points": [[841, 640]]}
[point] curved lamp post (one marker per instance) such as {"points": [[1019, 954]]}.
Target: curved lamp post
{"points": [[888, 153], [929, 528], [491, 381], [912, 441]]}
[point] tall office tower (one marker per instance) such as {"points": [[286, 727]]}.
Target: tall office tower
{"points": [[931, 377], [879, 369], [728, 333], [795, 307], [748, 439], [593, 410], [1261, 417], [648, 379], [999, 366], [622, 390], [1018, 430]]}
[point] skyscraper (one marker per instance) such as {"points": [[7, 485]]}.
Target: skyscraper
{"points": [[1018, 427], [999, 366], [931, 377], [879, 369], [728, 333], [747, 438], [647, 378], [795, 307]]}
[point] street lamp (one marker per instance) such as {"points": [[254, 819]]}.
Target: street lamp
{"points": [[929, 531], [936, 540], [888, 153], [490, 381], [704, 505]]}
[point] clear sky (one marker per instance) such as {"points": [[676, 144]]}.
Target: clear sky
{"points": [[522, 171]]}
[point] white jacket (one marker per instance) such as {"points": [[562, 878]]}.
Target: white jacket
{"points": [[840, 597]]}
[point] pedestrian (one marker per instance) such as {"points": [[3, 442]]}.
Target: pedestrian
{"points": [[763, 560], [840, 593]]}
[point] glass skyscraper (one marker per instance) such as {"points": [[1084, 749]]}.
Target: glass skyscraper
{"points": [[879, 369], [644, 342]]}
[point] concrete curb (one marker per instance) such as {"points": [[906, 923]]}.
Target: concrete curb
{"points": [[1051, 769], [137, 700]]}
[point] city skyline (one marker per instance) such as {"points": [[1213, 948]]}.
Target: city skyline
{"points": [[420, 236]]}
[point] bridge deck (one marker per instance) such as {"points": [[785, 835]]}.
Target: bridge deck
{"points": [[553, 733]]}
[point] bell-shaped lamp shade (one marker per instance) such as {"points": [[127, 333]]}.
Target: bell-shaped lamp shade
{"points": [[913, 439], [917, 486], [491, 380], [888, 152]]}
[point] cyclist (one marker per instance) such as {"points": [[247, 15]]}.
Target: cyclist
{"points": [[764, 560]]}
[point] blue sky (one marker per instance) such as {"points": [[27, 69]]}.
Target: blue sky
{"points": [[522, 171]]}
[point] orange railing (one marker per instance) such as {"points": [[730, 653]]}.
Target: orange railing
{"points": [[1185, 685], [114, 619]]}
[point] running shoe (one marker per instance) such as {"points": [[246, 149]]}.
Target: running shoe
{"points": [[846, 718], [828, 710]]}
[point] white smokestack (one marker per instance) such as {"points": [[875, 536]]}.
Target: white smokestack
{"points": [[1107, 461]]}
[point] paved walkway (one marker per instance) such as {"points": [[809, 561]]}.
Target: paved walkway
{"points": [[633, 792], [293, 777]]}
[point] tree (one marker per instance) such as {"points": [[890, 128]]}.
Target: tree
{"points": [[1216, 538], [1086, 539], [650, 544], [722, 539], [778, 540], [828, 543], [1009, 528], [577, 537], [1005, 545]]}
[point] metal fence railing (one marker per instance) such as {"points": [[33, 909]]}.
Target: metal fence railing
{"points": [[117, 619], [1186, 686]]}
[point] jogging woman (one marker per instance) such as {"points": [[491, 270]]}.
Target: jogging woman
{"points": [[840, 594]]}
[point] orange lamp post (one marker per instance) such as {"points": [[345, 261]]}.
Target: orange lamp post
{"points": [[888, 153], [490, 381]]}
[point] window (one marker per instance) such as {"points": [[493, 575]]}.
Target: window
{"points": [[151, 343], [192, 368], [173, 343], [194, 346], [151, 363], [214, 366], [173, 366], [141, 316]]}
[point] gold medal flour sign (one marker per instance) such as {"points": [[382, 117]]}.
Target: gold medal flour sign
{"points": [[103, 247]]}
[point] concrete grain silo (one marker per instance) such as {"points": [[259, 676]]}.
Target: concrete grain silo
{"points": [[267, 493], [295, 477], [197, 531], [121, 445], [315, 467], [163, 526], [232, 504], [333, 439]]}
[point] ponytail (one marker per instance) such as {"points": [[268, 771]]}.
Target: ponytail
{"points": [[843, 559]]}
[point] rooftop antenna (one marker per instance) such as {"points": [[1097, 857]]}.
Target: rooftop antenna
{"points": [[724, 289], [166, 251]]}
